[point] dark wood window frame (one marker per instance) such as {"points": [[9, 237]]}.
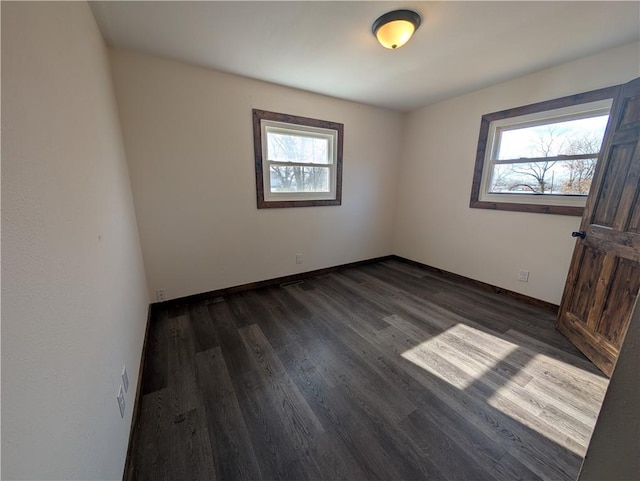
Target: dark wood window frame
{"points": [[577, 99], [258, 116]]}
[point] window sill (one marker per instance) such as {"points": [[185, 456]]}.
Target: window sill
{"points": [[279, 204], [533, 208]]}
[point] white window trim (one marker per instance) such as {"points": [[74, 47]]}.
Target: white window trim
{"points": [[331, 135], [590, 109]]}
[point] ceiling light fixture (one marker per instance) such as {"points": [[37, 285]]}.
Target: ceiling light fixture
{"points": [[394, 29]]}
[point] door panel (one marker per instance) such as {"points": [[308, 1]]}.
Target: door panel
{"points": [[621, 299], [591, 265], [613, 185], [631, 112], [604, 276]]}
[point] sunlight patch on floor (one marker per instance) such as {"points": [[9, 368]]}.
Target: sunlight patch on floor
{"points": [[563, 431], [441, 357], [498, 372]]}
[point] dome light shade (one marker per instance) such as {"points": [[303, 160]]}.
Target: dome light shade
{"points": [[394, 29]]}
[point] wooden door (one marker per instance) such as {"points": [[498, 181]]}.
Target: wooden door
{"points": [[604, 277]]}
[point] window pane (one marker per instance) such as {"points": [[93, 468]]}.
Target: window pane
{"points": [[299, 179], [296, 148], [572, 137], [562, 177]]}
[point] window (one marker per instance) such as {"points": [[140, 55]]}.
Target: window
{"points": [[298, 160], [541, 157]]}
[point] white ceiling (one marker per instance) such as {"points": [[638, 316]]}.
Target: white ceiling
{"points": [[328, 47]]}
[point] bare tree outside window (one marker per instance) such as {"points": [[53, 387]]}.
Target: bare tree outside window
{"points": [[557, 158], [581, 171], [534, 175], [298, 178]]}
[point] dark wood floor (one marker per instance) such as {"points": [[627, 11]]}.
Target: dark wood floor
{"points": [[384, 371]]}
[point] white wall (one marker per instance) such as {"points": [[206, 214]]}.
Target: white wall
{"points": [[434, 223], [189, 140], [74, 300]]}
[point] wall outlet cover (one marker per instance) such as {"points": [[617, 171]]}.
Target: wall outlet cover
{"points": [[125, 379], [121, 402]]}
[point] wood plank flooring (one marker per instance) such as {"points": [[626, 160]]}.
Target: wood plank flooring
{"points": [[384, 371]]}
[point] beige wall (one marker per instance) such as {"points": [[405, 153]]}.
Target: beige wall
{"points": [[189, 141], [74, 300], [434, 223]]}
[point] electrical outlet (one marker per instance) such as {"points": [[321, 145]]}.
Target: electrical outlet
{"points": [[160, 295], [125, 379], [121, 402], [298, 258], [523, 276]]}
